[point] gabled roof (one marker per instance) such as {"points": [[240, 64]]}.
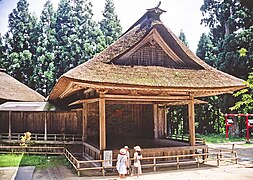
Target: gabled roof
{"points": [[147, 56], [13, 90]]}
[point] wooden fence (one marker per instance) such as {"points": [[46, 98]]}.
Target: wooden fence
{"points": [[149, 162], [14, 138], [55, 122]]}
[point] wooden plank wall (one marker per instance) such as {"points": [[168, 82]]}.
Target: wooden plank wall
{"points": [[69, 122], [122, 121]]}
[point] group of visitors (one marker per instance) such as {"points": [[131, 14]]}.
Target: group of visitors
{"points": [[123, 164]]}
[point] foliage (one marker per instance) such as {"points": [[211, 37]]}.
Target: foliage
{"points": [[228, 47], [25, 140], [38, 52], [110, 24], [206, 50], [44, 71], [20, 42], [182, 37], [10, 160], [219, 138]]}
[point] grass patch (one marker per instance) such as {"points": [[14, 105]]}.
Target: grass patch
{"points": [[219, 138], [10, 160], [41, 162]]}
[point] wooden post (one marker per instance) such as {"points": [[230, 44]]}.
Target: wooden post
{"points": [[155, 110], [161, 123], [165, 123], [9, 125], [191, 120], [45, 133], [85, 120], [102, 128]]}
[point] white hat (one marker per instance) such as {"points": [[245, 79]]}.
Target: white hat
{"points": [[137, 148], [126, 147], [122, 151]]}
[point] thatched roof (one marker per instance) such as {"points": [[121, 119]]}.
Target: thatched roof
{"points": [[27, 106], [148, 56], [13, 90]]}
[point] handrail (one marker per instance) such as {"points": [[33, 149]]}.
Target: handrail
{"points": [[172, 159]]}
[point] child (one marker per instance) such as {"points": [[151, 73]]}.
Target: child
{"points": [[122, 163], [137, 161]]}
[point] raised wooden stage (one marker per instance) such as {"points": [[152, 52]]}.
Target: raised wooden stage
{"points": [[150, 147]]}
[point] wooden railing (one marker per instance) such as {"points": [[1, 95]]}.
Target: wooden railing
{"points": [[153, 162], [5, 137], [91, 151], [183, 137], [225, 155], [32, 150]]}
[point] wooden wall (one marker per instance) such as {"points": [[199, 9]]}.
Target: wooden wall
{"points": [[68, 122], [122, 121]]}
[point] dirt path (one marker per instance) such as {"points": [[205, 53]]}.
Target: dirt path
{"points": [[241, 171]]}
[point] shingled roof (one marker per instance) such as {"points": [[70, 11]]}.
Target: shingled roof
{"points": [[13, 90], [148, 55]]}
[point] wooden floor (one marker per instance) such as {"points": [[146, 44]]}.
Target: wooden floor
{"points": [[117, 143]]}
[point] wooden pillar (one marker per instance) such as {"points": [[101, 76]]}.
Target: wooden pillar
{"points": [[45, 126], [191, 115], [161, 122], [102, 128], [9, 121], [156, 125], [165, 123], [85, 120]]}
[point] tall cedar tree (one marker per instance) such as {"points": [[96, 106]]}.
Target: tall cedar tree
{"points": [[229, 22], [182, 37], [78, 36], [89, 39], [206, 49], [110, 24], [64, 34], [1, 51], [21, 40], [44, 70], [207, 115]]}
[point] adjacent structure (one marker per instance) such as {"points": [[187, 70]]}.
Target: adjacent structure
{"points": [[13, 90], [124, 90]]}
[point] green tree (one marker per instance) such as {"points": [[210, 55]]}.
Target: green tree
{"points": [[21, 40], [78, 35], [110, 24], [206, 50], [230, 26], [182, 37], [44, 69], [64, 33]]}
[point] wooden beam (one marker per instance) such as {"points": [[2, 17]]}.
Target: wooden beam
{"points": [[9, 119], [144, 98], [102, 123], [128, 102], [86, 101], [191, 115], [85, 121]]}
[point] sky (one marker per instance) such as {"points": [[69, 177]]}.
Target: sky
{"points": [[181, 14]]}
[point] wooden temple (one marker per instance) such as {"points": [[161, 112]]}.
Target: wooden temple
{"points": [[125, 90]]}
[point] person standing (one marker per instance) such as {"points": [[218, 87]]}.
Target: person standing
{"points": [[121, 164], [128, 160], [137, 161]]}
